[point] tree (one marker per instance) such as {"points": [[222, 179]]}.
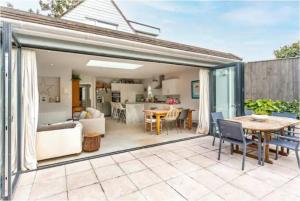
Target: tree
{"points": [[57, 7], [9, 5], [287, 51]]}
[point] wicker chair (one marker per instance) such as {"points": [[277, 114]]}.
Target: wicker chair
{"points": [[170, 119]]}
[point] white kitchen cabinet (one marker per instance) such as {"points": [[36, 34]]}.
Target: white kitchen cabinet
{"points": [[128, 91], [170, 87], [116, 86]]}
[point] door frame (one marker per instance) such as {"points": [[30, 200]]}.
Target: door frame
{"points": [[8, 182], [239, 88]]}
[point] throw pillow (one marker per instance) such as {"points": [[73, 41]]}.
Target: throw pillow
{"points": [[82, 115]]}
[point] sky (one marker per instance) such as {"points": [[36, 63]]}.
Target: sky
{"points": [[249, 29]]}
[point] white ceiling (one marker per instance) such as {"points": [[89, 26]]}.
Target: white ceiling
{"points": [[78, 63]]}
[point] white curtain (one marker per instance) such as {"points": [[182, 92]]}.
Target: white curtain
{"points": [[203, 124], [30, 106]]}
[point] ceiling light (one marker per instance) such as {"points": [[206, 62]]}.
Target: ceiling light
{"points": [[109, 64]]}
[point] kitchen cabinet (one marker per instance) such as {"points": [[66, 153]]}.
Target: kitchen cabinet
{"points": [[170, 87], [128, 91]]}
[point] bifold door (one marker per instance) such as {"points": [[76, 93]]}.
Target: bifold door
{"points": [[9, 111], [227, 89]]}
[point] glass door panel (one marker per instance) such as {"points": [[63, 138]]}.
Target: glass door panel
{"points": [[227, 90]]}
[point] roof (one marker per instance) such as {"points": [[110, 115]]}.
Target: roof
{"points": [[113, 3], [76, 26]]}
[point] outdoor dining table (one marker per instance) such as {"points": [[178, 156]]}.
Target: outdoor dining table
{"points": [[265, 128], [158, 113]]}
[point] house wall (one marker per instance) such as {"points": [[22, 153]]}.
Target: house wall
{"points": [[103, 10], [185, 79], [57, 112]]}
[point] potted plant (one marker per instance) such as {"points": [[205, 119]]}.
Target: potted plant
{"points": [[76, 77]]}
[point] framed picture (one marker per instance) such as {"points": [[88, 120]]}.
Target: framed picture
{"points": [[195, 89]]}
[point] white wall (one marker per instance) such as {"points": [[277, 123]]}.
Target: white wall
{"points": [[103, 10], [57, 112], [185, 78]]}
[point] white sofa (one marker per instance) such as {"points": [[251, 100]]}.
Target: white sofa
{"points": [[59, 140], [95, 124]]}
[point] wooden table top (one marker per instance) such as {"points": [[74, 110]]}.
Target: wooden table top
{"points": [[271, 124]]}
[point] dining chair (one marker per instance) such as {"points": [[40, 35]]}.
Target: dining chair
{"points": [[149, 121], [170, 119], [248, 112], [233, 133], [287, 115], [182, 117], [215, 116], [287, 139]]}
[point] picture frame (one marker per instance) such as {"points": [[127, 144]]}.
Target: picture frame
{"points": [[195, 84]]}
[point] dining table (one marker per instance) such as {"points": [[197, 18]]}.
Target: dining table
{"points": [[265, 128], [160, 113]]}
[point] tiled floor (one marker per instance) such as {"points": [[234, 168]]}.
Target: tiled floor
{"points": [[187, 170], [120, 136]]}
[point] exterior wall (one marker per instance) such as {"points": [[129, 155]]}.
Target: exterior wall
{"points": [[103, 10], [274, 79]]}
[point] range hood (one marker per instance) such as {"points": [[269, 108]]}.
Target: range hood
{"points": [[159, 82]]}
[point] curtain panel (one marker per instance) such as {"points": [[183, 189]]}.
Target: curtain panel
{"points": [[30, 107], [203, 124]]}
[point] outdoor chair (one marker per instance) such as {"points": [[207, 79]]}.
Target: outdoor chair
{"points": [[289, 140], [248, 112], [287, 115], [233, 133], [182, 117], [170, 120], [215, 116]]}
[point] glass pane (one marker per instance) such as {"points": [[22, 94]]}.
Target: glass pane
{"points": [[225, 91], [14, 111], [1, 112]]}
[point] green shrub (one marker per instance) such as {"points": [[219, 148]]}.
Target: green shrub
{"points": [[267, 106]]}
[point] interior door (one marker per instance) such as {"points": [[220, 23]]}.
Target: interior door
{"points": [[227, 89]]}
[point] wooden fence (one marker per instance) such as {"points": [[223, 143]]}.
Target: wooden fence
{"points": [[274, 79]]}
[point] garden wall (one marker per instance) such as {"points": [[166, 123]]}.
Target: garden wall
{"points": [[273, 79]]}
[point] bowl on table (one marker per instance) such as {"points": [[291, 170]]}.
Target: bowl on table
{"points": [[261, 118]]}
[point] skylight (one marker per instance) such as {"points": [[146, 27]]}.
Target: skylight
{"points": [[109, 64]]}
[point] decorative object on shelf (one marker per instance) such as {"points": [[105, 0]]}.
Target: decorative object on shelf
{"points": [[195, 86], [171, 101], [76, 77]]}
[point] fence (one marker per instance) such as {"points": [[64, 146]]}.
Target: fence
{"points": [[274, 79]]}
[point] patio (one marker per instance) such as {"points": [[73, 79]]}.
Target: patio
{"points": [[187, 170]]}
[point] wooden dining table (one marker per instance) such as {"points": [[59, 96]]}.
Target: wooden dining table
{"points": [[159, 113], [265, 128]]}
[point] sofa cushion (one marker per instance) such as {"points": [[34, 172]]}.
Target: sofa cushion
{"points": [[56, 127]]}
